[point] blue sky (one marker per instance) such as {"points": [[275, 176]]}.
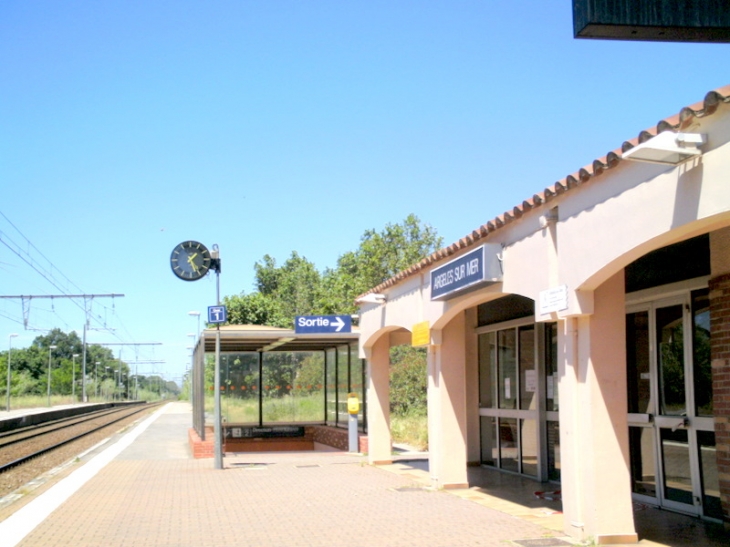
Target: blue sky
{"points": [[275, 126]]}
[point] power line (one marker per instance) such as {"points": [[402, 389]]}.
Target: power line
{"points": [[45, 271]]}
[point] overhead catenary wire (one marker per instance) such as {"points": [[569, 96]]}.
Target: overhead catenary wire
{"points": [[29, 254]]}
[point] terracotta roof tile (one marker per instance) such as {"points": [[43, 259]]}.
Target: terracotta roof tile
{"points": [[585, 175]]}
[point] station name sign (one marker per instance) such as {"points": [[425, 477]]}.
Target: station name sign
{"points": [[466, 272]]}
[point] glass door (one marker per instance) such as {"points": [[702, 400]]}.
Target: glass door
{"points": [[671, 429], [509, 400]]}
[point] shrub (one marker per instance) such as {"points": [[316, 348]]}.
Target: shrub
{"points": [[408, 381]]}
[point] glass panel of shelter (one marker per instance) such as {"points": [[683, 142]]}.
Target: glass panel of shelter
{"points": [[295, 387]]}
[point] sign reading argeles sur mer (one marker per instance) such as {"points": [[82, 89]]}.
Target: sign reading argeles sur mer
{"points": [[478, 267]]}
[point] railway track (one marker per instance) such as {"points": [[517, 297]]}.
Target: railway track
{"points": [[20, 446]]}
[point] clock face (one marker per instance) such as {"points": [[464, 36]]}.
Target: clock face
{"points": [[190, 260]]}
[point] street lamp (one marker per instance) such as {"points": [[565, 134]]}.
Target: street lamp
{"points": [[10, 347], [193, 394], [196, 314], [73, 377], [50, 351]]}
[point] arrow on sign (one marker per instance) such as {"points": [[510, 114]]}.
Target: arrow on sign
{"points": [[339, 323]]}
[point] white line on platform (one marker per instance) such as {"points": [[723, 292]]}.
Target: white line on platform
{"points": [[20, 524]]}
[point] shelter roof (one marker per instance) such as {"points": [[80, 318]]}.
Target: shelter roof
{"points": [[241, 338]]}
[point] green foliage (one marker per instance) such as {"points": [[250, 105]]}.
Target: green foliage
{"points": [[255, 309], [380, 256], [23, 383], [408, 381], [298, 288], [310, 377], [29, 369]]}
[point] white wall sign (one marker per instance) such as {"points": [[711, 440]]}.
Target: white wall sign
{"points": [[530, 381], [550, 387], [555, 299]]}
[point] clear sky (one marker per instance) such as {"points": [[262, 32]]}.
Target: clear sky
{"points": [[272, 126]]}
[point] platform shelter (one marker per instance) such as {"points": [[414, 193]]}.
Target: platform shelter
{"points": [[280, 390]]}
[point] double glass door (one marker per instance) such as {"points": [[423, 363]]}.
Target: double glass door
{"points": [[671, 428]]}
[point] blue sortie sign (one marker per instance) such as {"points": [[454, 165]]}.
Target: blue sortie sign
{"points": [[217, 314], [322, 324]]}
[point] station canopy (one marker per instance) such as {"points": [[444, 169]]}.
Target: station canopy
{"points": [[243, 338]]}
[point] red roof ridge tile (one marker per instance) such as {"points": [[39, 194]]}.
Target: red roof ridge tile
{"points": [[584, 175]]}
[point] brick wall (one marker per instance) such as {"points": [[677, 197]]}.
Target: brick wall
{"points": [[720, 352], [331, 436], [201, 449], [338, 438]]}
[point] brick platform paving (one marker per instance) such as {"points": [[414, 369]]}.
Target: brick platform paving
{"points": [[154, 493]]}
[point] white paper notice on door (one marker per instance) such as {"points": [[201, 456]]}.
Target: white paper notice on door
{"points": [[507, 390], [550, 387], [530, 381]]}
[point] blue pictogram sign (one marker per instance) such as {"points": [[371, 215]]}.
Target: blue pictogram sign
{"points": [[217, 314]]}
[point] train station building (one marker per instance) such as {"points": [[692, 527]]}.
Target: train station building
{"points": [[582, 337]]}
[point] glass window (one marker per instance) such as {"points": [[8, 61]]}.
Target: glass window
{"points": [[487, 369], [279, 372], [488, 426], [358, 382], [240, 380], [553, 450], [507, 356], [670, 355], [637, 362], [508, 444], [710, 479], [701, 352], [308, 389], [331, 385], [551, 367], [528, 373], [528, 447], [343, 383], [675, 460], [643, 465]]}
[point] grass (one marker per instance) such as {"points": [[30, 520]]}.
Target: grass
{"points": [[289, 408], [410, 429], [40, 401]]}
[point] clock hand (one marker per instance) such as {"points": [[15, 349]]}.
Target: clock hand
{"points": [[193, 265]]}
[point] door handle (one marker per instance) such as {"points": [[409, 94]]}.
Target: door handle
{"points": [[681, 424]]}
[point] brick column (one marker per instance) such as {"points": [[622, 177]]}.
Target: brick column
{"points": [[720, 355]]}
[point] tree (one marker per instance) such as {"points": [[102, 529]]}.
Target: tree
{"points": [[380, 256], [297, 287], [408, 380], [30, 365], [254, 309], [283, 293]]}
